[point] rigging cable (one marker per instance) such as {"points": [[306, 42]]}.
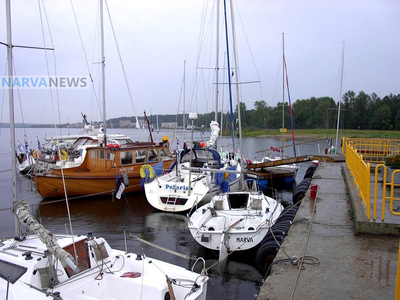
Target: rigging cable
{"points": [[86, 60], [122, 65], [58, 144], [55, 66]]}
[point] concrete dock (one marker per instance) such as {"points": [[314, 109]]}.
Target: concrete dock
{"points": [[339, 262]]}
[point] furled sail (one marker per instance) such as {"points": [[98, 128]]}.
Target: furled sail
{"points": [[214, 134], [22, 211]]}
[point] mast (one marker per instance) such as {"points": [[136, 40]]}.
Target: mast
{"points": [[184, 92], [340, 96], [290, 103], [11, 108], [236, 74], [283, 92], [217, 64], [229, 76], [103, 76]]}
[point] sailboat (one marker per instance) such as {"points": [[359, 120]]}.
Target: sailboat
{"points": [[234, 220], [47, 266], [282, 174], [197, 175], [108, 168]]}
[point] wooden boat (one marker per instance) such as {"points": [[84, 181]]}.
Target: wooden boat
{"points": [[70, 153], [103, 168], [279, 174]]}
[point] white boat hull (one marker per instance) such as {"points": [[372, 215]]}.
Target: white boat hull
{"points": [[244, 227], [170, 192]]}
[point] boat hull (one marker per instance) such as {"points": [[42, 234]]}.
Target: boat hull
{"points": [[103, 170], [241, 228], [53, 186], [170, 192]]}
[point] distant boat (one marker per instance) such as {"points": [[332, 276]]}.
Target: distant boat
{"points": [[279, 175], [283, 174], [68, 151]]}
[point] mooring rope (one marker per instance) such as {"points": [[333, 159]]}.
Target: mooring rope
{"points": [[304, 251]]}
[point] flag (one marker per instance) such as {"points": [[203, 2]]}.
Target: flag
{"points": [[119, 188], [20, 150], [39, 146], [27, 149]]}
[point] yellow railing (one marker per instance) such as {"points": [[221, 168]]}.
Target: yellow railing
{"points": [[385, 184], [360, 171], [374, 150]]}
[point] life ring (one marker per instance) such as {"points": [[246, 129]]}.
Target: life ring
{"points": [[64, 155], [112, 146], [143, 171], [35, 154]]}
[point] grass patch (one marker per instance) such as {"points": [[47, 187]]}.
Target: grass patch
{"points": [[325, 133]]}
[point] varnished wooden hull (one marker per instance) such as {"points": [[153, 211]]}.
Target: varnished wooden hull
{"points": [[53, 186], [97, 175]]}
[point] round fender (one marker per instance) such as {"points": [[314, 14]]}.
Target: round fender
{"points": [[265, 256], [64, 155], [143, 171], [298, 195]]}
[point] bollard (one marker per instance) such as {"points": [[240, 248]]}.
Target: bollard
{"points": [[313, 191]]}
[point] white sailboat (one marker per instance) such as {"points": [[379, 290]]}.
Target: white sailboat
{"points": [[43, 265], [234, 221], [198, 175], [285, 173]]}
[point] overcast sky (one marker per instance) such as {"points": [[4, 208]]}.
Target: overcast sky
{"points": [[156, 37]]}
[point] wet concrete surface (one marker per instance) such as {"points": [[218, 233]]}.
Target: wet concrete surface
{"points": [[337, 264]]}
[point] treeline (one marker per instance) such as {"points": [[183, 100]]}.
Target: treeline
{"points": [[360, 111]]}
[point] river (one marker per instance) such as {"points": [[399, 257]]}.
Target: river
{"points": [[132, 215]]}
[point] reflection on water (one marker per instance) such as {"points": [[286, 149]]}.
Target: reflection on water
{"points": [[132, 215]]}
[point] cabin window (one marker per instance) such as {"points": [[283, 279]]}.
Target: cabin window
{"points": [[126, 157], [93, 153], [140, 156], [165, 154], [101, 154], [110, 156], [153, 155]]}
